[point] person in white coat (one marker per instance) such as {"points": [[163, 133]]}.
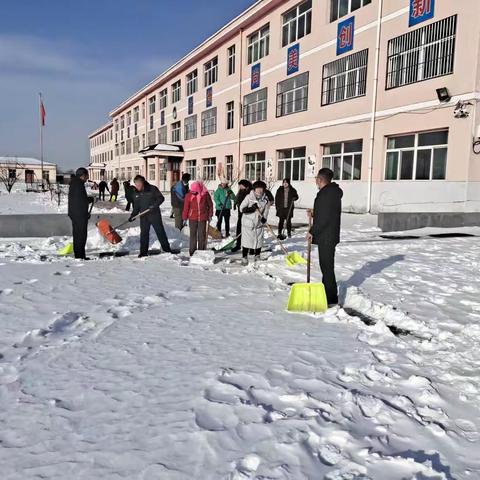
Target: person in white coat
{"points": [[255, 209]]}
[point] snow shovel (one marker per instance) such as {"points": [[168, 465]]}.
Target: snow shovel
{"points": [[291, 258], [109, 233], [308, 297], [68, 248], [228, 246], [214, 233]]}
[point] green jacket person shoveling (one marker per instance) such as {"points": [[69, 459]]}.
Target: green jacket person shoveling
{"points": [[325, 231]]}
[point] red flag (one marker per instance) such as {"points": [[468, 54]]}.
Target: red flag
{"points": [[43, 113]]}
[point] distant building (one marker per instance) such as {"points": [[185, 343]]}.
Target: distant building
{"points": [[29, 170], [101, 152], [384, 92]]}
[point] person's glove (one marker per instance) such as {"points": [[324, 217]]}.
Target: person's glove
{"points": [[251, 209], [91, 200], [131, 219], [263, 220]]}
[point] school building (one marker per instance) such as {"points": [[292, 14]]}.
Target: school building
{"points": [[384, 92]]}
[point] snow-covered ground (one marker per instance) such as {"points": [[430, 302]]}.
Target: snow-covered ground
{"points": [[162, 369]]}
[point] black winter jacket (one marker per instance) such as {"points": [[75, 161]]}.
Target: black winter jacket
{"points": [[326, 215], [150, 198], [78, 200], [240, 197], [283, 212]]}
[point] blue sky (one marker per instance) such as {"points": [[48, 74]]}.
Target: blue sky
{"points": [[85, 56]]}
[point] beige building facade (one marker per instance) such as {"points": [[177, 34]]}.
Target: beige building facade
{"points": [[101, 152], [384, 92], [27, 170]]}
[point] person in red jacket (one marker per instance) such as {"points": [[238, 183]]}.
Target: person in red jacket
{"points": [[198, 210]]}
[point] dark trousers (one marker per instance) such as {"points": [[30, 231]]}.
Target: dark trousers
{"points": [[252, 251], [238, 246], [281, 223], [101, 195], [198, 236], [177, 213], [154, 220], [129, 204], [326, 255], [79, 233], [223, 215]]}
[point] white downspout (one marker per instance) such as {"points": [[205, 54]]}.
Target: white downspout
{"points": [[374, 107]]}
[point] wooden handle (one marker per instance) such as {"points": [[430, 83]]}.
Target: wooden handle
{"points": [[309, 251]]}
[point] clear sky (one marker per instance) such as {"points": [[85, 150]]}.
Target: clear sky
{"points": [[86, 56]]}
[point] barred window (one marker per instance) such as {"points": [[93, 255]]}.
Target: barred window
{"points": [[176, 132], [151, 171], [209, 121], [422, 54], [192, 82], [345, 78], [191, 168], [151, 137], [344, 159], [211, 72], [163, 135], [297, 23], [255, 107], [259, 44], [191, 127], [163, 100], [209, 169], [129, 147], [291, 164], [255, 166], [340, 8], [421, 156], [292, 95], [176, 91]]}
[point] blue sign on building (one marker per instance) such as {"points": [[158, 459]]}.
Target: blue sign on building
{"points": [[255, 80], [420, 11], [162, 117], [293, 59], [345, 35], [190, 105], [209, 97]]}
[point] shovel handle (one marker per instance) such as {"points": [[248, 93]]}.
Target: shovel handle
{"points": [[270, 229], [133, 219], [309, 251]]}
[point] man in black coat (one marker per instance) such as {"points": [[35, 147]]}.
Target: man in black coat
{"points": [[102, 186], [129, 191], [325, 231], [148, 197], [78, 203], [244, 188]]}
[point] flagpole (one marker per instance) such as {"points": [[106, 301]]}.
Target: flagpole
{"points": [[41, 134]]}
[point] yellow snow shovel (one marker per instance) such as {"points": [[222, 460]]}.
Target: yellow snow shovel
{"points": [[308, 297], [291, 258], [66, 250]]}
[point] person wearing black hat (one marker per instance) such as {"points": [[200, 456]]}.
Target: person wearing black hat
{"points": [[78, 203], [325, 231], [148, 197], [244, 188]]}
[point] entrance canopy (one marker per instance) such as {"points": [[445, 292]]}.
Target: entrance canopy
{"points": [[162, 150]]}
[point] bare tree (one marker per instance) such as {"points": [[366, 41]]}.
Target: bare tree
{"points": [[10, 173]]}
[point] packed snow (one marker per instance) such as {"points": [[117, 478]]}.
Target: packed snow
{"points": [[173, 369]]}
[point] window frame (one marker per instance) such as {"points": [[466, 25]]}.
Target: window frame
{"points": [[176, 131], [163, 135], [209, 169], [163, 99], [247, 112], [295, 22], [189, 132], [176, 91], [210, 72], [342, 156], [192, 82], [152, 105], [213, 123], [252, 162], [334, 18], [262, 42], [301, 160], [231, 60], [280, 95], [230, 120]]}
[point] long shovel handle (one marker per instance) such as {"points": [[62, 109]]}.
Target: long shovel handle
{"points": [[133, 219], [270, 229], [309, 251]]}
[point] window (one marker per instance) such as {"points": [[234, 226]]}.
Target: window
{"points": [[136, 170], [191, 127], [421, 156], [176, 91], [121, 135], [151, 122], [151, 137], [209, 121], [191, 168], [129, 173], [135, 129], [143, 110], [291, 164], [151, 105], [209, 168], [425, 53], [117, 150], [136, 114], [255, 107], [230, 115], [129, 120], [122, 122], [340, 8], [344, 159], [297, 23], [345, 78], [192, 82], [292, 95], [255, 166], [136, 144], [163, 100], [116, 124], [259, 44], [229, 167], [231, 60], [122, 148], [162, 135], [128, 147], [128, 132], [211, 72], [122, 175], [143, 140], [151, 171], [176, 132]]}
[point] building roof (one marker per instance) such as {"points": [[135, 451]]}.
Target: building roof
{"points": [[101, 129], [24, 161]]}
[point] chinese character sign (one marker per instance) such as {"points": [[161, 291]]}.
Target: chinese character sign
{"points": [[190, 105], [293, 59], [345, 35], [209, 97], [421, 10], [255, 81]]}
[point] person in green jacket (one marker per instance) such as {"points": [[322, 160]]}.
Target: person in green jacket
{"points": [[224, 198]]}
